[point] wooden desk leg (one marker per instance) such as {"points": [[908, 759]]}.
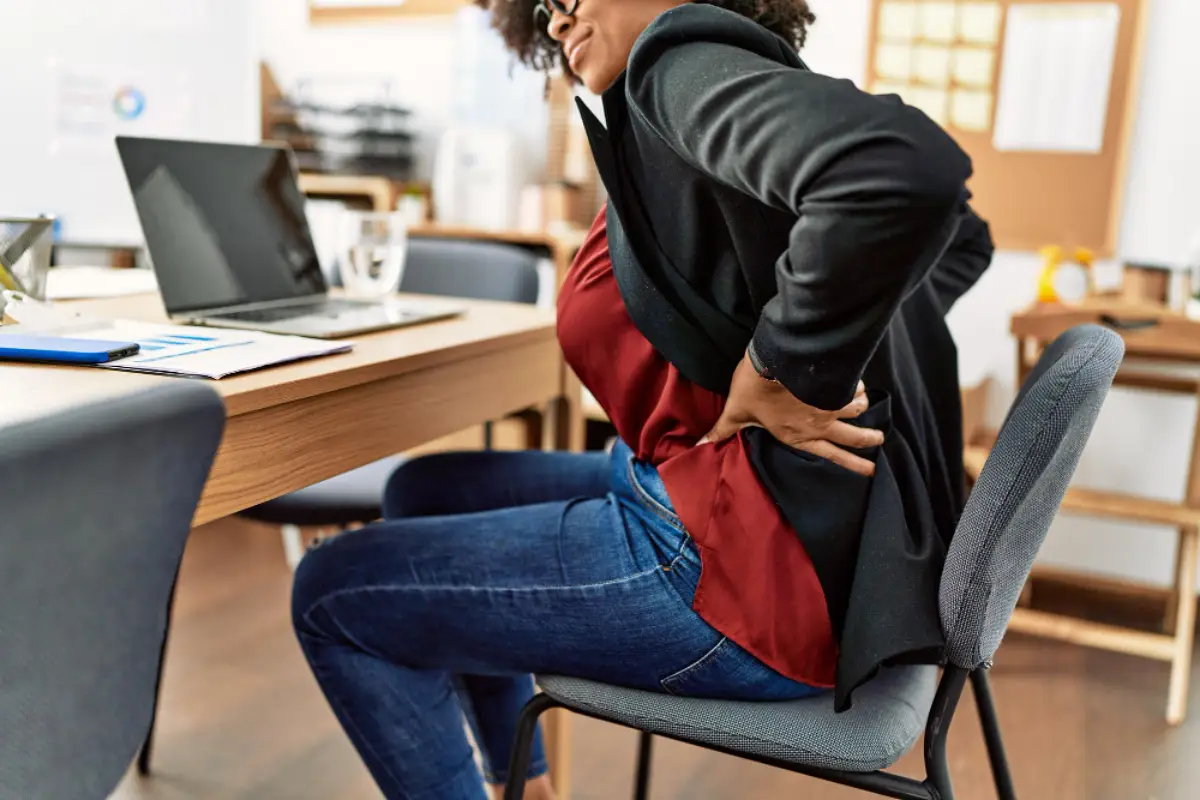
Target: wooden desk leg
{"points": [[570, 426], [1172, 615], [556, 733], [1185, 593], [1185, 625]]}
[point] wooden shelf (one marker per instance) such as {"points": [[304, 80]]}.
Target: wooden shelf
{"points": [[1098, 503], [1158, 646], [379, 191]]}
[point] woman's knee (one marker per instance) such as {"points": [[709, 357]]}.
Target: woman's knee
{"points": [[319, 574]]}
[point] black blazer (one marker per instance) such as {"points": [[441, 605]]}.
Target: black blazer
{"points": [[754, 204]]}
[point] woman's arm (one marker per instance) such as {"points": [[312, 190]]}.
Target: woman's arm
{"points": [[965, 261], [878, 187]]}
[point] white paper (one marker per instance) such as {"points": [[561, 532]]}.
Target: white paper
{"points": [[80, 283], [182, 350], [933, 64], [971, 110], [897, 21], [973, 67], [979, 23], [92, 103], [937, 21], [1057, 73], [205, 352], [893, 61]]}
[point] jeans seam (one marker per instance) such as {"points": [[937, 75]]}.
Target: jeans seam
{"points": [[651, 504], [695, 665], [459, 588]]}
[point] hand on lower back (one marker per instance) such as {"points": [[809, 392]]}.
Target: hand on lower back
{"points": [[757, 402]]}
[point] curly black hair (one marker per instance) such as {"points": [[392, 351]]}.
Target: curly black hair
{"points": [[514, 20]]}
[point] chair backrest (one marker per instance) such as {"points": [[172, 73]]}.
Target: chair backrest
{"points": [[95, 506], [471, 269], [1020, 489]]}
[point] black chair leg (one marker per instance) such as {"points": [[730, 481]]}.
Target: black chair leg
{"points": [[991, 734], [488, 435], [641, 789], [937, 766], [143, 761], [522, 753]]}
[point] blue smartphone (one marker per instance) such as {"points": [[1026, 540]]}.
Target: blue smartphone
{"points": [[60, 350]]}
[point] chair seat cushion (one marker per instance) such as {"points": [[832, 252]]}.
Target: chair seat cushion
{"points": [[888, 715], [354, 496]]}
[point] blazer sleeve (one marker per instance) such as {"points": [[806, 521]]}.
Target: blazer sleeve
{"points": [[877, 186], [965, 261]]}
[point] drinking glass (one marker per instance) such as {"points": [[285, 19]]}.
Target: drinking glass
{"points": [[374, 246]]}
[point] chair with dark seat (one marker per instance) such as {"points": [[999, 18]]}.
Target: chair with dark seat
{"points": [[443, 267], [96, 504], [1001, 530]]}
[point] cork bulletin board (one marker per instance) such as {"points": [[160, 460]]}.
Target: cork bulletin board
{"points": [[1041, 93]]}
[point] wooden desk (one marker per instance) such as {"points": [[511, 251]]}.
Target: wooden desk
{"points": [[1174, 341], [291, 426]]}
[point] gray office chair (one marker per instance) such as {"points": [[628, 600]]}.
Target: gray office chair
{"points": [[96, 504], [1000, 532], [444, 267]]}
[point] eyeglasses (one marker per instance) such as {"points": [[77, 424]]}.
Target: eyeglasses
{"points": [[542, 11]]}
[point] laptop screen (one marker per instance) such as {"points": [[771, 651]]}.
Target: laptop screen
{"points": [[224, 223]]}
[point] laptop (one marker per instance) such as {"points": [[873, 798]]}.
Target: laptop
{"points": [[231, 246]]}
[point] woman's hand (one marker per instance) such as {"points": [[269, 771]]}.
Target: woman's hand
{"points": [[756, 401]]}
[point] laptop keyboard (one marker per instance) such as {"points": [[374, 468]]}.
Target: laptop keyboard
{"points": [[325, 309]]}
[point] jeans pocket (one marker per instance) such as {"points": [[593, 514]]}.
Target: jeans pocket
{"points": [[727, 672]]}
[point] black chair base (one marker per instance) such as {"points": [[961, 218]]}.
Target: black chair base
{"points": [[937, 786]]}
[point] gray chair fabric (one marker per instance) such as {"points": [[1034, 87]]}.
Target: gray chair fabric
{"points": [[1020, 489], [1002, 527], [889, 714], [95, 506], [442, 267], [470, 269]]}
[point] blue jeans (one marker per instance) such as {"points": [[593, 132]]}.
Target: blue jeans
{"points": [[489, 567]]}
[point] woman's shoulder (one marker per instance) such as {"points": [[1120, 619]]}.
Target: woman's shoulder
{"points": [[699, 26]]}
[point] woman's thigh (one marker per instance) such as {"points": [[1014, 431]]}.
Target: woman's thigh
{"points": [[568, 588], [468, 482]]}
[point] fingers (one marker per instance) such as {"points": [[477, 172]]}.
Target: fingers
{"points": [[726, 426], [837, 455], [846, 435], [856, 407]]}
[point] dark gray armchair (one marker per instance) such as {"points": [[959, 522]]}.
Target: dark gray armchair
{"points": [[95, 506]]}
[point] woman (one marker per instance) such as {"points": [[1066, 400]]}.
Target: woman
{"points": [[774, 240]]}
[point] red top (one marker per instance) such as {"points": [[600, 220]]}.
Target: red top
{"points": [[757, 583]]}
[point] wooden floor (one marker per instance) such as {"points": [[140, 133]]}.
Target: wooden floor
{"points": [[242, 718]]}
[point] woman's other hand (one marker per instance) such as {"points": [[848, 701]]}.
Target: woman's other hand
{"points": [[756, 401]]}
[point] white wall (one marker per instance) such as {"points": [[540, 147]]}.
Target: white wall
{"points": [[1142, 440]]}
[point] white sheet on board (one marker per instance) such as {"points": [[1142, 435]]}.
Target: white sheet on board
{"points": [[1056, 76]]}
